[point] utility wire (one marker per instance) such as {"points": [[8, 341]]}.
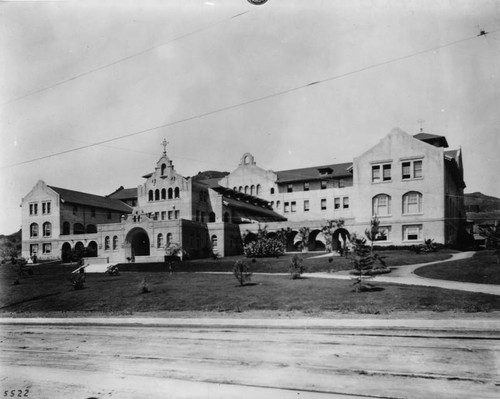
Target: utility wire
{"points": [[251, 101], [121, 60]]}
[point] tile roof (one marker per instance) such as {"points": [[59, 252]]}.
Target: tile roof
{"points": [[313, 173], [245, 210], [425, 137], [451, 154], [124, 193], [77, 197]]}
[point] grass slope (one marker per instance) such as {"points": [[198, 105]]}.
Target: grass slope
{"points": [[48, 292], [482, 269]]}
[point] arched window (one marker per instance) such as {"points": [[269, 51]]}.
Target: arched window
{"points": [[33, 230], [225, 218], [272, 204], [65, 228], [272, 190], [381, 205], [176, 192], [258, 190], [159, 240], [150, 195], [163, 167], [115, 242], [91, 228], [240, 189], [214, 241], [252, 189], [170, 193], [157, 195], [246, 189], [169, 238], [412, 202], [78, 228], [47, 229], [277, 204], [106, 243], [211, 217], [235, 188], [163, 194]]}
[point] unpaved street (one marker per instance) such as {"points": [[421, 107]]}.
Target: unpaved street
{"points": [[250, 359]]}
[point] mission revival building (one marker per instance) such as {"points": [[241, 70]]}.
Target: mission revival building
{"points": [[412, 184]]}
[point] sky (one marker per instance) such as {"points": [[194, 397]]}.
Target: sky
{"points": [[220, 78]]}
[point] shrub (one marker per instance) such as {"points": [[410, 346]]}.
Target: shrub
{"points": [[296, 267], [144, 287], [242, 272], [264, 247], [78, 281]]}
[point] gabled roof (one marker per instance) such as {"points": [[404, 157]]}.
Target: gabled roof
{"points": [[452, 154], [77, 197], [315, 173], [124, 193], [438, 141]]}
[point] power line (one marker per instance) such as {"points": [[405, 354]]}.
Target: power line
{"points": [[251, 101], [121, 60]]}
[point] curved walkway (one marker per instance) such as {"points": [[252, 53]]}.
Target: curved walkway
{"points": [[405, 275]]}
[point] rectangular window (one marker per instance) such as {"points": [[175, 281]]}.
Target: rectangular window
{"points": [[33, 249], [286, 207], [47, 248], [157, 215], [323, 204], [386, 172], [289, 188], [337, 203], [44, 208], [170, 215], [323, 184], [33, 209], [109, 214], [417, 169], [375, 173], [345, 203], [306, 186], [412, 170], [176, 214], [163, 215], [412, 232], [381, 173], [384, 233], [341, 183], [293, 206], [197, 216], [306, 205], [92, 212], [75, 210]]}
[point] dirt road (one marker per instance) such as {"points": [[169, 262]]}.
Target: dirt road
{"points": [[251, 359]]}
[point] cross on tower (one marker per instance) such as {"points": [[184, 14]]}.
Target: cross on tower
{"points": [[164, 144], [421, 122]]}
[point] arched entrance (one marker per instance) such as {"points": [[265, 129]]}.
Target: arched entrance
{"points": [[138, 241], [316, 241], [66, 252], [92, 249], [340, 237]]}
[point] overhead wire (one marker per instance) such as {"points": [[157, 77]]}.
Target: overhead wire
{"points": [[250, 101], [122, 59]]}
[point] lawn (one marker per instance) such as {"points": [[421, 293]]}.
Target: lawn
{"points": [[280, 265], [48, 292], [482, 268]]}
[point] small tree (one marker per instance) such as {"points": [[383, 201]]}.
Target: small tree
{"points": [[296, 267], [365, 261], [242, 272], [329, 229]]}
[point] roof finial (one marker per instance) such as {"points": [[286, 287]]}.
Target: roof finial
{"points": [[421, 122], [164, 144]]}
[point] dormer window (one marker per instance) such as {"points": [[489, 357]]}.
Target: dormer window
{"points": [[325, 171]]}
